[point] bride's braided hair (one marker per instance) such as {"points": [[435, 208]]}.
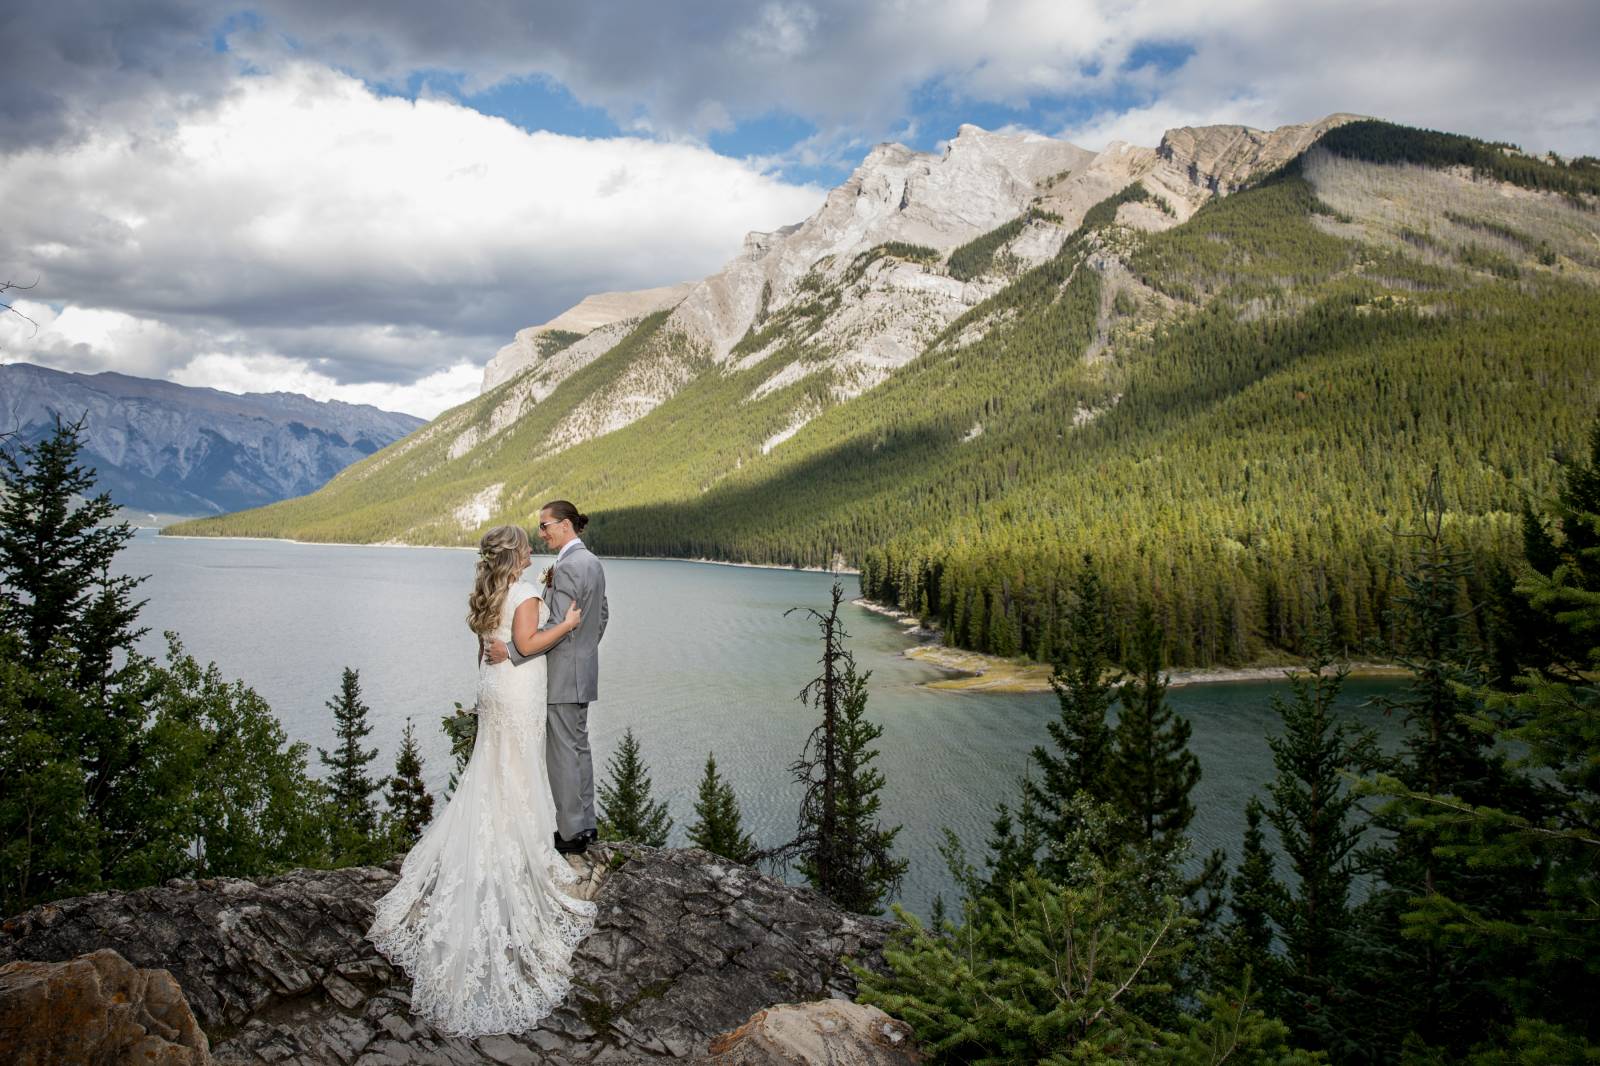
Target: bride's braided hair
{"points": [[499, 556]]}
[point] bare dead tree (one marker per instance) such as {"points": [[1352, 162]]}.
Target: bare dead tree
{"points": [[5, 305]]}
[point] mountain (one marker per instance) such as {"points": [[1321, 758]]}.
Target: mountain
{"points": [[1222, 366], [168, 448]]}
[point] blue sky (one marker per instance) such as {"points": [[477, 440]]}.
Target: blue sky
{"points": [[932, 112], [365, 200]]}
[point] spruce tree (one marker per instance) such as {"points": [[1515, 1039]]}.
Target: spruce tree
{"points": [[626, 810], [410, 805], [1319, 827], [1085, 686], [867, 868], [57, 543], [841, 847], [717, 826], [1013, 845], [1444, 754], [1246, 942], [1151, 769], [352, 812], [49, 841], [74, 626], [1548, 932]]}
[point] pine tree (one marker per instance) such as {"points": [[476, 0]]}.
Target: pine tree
{"points": [[717, 826], [1316, 819], [74, 623], [352, 812], [841, 847], [626, 810], [1246, 940], [868, 870], [1013, 845], [1443, 755], [410, 805], [1085, 686], [57, 544], [1052, 973], [1151, 769], [1546, 828]]}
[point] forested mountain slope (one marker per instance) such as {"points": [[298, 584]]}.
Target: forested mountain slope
{"points": [[1225, 377]]}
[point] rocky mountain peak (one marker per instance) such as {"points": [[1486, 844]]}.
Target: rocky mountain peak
{"points": [[1223, 158], [586, 316]]}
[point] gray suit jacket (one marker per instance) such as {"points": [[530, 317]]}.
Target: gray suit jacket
{"points": [[573, 664]]}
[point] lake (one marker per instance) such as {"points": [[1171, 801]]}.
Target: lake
{"points": [[697, 657]]}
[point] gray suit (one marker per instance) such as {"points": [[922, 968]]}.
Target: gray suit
{"points": [[572, 682]]}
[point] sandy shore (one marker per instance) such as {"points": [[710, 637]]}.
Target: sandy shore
{"points": [[976, 672]]}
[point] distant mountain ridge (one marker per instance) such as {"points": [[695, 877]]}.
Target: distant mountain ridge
{"points": [[162, 447]]}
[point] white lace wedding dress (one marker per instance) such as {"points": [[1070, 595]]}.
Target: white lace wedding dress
{"points": [[478, 918]]}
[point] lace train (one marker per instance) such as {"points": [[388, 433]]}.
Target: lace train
{"points": [[478, 918]]}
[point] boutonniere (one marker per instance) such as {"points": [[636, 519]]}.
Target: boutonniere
{"points": [[548, 576]]}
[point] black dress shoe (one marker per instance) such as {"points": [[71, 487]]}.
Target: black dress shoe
{"points": [[576, 846]]}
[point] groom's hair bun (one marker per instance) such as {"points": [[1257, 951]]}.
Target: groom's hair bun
{"points": [[563, 509]]}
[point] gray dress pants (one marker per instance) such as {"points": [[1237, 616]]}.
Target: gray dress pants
{"points": [[571, 769]]}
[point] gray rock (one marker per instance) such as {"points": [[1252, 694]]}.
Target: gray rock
{"points": [[686, 946]]}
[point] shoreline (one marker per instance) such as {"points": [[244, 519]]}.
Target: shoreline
{"points": [[465, 548], [973, 671]]}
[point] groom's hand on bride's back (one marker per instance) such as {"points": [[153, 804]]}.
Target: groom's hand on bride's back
{"points": [[494, 652]]}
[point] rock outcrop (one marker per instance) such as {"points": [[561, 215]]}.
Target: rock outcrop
{"points": [[686, 947], [96, 1010], [836, 1032], [586, 316], [1223, 158]]}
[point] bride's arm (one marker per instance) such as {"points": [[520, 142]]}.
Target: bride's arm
{"points": [[529, 638]]}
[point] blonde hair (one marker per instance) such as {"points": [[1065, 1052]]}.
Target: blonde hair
{"points": [[500, 555]]}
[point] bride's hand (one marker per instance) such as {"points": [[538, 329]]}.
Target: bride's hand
{"points": [[573, 617]]}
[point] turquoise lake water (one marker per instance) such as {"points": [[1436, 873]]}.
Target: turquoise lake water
{"points": [[697, 657]]}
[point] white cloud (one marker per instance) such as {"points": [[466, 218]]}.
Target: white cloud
{"points": [[1519, 73], [426, 397], [369, 241], [84, 340]]}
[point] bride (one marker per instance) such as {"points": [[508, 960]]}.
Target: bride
{"points": [[477, 918]]}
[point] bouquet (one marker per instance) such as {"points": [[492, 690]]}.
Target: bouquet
{"points": [[462, 729]]}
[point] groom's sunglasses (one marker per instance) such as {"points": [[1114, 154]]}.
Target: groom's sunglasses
{"points": [[552, 522]]}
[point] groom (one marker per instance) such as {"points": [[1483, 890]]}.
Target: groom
{"points": [[572, 673]]}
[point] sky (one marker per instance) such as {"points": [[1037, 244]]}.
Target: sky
{"points": [[364, 200]]}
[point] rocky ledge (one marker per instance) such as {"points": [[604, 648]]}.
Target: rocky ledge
{"points": [[687, 946]]}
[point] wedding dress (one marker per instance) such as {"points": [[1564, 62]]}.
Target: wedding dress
{"points": [[478, 918]]}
